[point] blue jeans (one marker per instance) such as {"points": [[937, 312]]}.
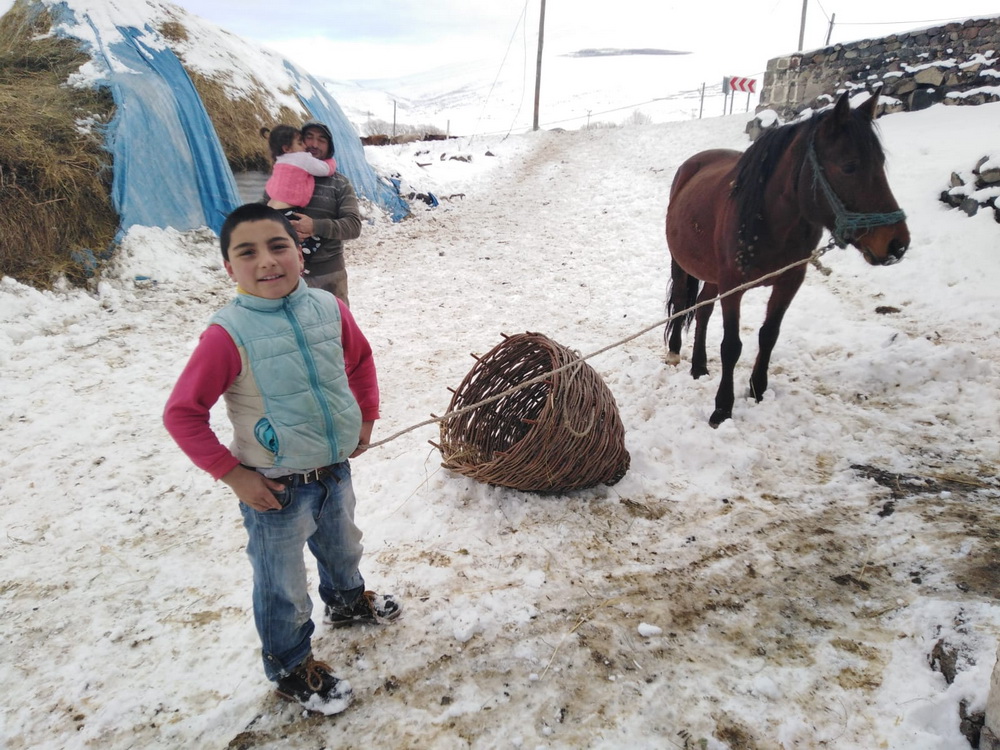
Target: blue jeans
{"points": [[320, 515]]}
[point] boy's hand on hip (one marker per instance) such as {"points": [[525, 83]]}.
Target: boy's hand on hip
{"points": [[254, 489], [364, 439]]}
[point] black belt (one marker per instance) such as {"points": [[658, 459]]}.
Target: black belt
{"points": [[309, 477]]}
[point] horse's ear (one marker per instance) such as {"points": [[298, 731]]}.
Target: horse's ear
{"points": [[842, 110], [870, 107]]}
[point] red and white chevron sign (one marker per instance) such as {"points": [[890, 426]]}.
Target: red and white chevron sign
{"points": [[735, 83]]}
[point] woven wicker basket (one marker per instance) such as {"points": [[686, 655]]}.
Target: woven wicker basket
{"points": [[560, 433]]}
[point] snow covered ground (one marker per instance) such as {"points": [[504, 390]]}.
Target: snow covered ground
{"points": [[780, 582]]}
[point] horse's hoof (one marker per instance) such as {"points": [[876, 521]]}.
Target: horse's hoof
{"points": [[699, 373], [673, 359], [718, 417]]}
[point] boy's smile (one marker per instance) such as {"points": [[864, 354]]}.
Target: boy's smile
{"points": [[264, 260]]}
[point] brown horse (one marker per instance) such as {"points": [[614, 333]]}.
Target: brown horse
{"points": [[734, 218]]}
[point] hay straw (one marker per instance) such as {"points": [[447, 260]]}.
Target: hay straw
{"points": [[57, 216]]}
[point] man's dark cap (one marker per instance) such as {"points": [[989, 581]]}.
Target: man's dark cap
{"points": [[326, 132]]}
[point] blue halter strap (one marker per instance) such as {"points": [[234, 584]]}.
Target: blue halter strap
{"points": [[846, 222]]}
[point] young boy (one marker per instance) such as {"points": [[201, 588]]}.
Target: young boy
{"points": [[301, 392]]}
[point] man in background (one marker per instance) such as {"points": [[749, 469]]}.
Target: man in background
{"points": [[332, 215]]}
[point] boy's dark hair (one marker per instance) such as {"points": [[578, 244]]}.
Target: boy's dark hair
{"points": [[252, 212], [280, 138]]}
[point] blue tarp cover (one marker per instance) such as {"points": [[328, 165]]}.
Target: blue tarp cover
{"points": [[350, 152], [169, 166]]}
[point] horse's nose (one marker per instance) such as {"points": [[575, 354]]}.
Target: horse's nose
{"points": [[898, 243]]}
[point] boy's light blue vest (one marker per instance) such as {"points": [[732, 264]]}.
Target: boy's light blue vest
{"points": [[291, 405]]}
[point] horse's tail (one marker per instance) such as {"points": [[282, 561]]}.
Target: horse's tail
{"points": [[691, 288]]}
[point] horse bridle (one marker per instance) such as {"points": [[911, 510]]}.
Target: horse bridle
{"points": [[845, 221]]}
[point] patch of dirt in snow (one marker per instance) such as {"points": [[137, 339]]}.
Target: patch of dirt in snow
{"points": [[774, 596]]}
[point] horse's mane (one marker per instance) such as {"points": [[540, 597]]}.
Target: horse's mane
{"points": [[757, 164]]}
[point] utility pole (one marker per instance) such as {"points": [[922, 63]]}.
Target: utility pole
{"points": [[802, 28], [829, 32], [538, 67]]}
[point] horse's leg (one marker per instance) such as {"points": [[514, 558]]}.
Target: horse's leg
{"points": [[699, 359], [677, 301], [782, 293], [731, 349]]}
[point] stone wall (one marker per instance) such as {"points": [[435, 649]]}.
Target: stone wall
{"points": [[958, 63]]}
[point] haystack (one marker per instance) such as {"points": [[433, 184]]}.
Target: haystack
{"points": [[55, 176]]}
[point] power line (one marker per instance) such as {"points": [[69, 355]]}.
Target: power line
{"points": [[714, 89], [693, 92], [895, 23], [504, 60], [911, 24], [524, 67]]}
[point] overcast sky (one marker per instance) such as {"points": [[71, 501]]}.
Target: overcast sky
{"points": [[346, 39], [388, 38]]}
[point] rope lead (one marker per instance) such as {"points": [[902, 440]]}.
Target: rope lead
{"points": [[811, 258]]}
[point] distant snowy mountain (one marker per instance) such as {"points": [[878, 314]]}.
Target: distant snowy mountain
{"points": [[615, 52], [577, 89]]}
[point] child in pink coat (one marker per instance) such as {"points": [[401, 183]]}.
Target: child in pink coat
{"points": [[293, 177]]}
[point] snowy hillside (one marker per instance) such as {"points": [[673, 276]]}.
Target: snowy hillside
{"points": [[497, 96]]}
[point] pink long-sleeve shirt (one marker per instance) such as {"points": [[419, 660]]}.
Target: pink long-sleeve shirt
{"points": [[215, 364]]}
